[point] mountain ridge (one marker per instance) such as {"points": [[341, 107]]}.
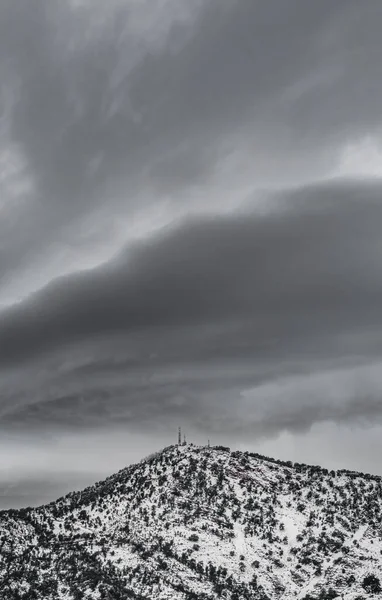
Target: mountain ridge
{"points": [[199, 523]]}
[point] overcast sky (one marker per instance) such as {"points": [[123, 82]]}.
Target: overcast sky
{"points": [[190, 233]]}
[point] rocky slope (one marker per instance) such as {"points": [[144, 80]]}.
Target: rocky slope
{"points": [[194, 523]]}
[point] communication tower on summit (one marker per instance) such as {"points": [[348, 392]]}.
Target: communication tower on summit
{"points": [[180, 443]]}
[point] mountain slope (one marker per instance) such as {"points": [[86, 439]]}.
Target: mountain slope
{"points": [[200, 523]]}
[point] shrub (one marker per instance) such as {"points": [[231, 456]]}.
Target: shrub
{"points": [[371, 584]]}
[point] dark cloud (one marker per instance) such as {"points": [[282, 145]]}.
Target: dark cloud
{"points": [[268, 320], [310, 264]]}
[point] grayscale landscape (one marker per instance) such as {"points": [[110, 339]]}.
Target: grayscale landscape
{"points": [[190, 236]]}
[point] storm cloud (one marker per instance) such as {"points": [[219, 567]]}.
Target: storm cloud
{"points": [[308, 264], [259, 322]]}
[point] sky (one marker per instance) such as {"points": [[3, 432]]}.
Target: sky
{"points": [[190, 234]]}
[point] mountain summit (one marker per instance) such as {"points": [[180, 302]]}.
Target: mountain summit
{"points": [[192, 523]]}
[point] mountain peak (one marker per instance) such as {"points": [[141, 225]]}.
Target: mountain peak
{"points": [[199, 522]]}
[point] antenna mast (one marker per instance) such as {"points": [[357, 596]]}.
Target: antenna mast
{"points": [[179, 436]]}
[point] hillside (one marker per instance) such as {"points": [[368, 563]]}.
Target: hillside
{"points": [[193, 523]]}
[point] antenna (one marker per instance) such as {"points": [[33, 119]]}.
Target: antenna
{"points": [[184, 440], [208, 443], [179, 436]]}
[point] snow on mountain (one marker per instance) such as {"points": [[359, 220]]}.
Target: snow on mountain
{"points": [[198, 523]]}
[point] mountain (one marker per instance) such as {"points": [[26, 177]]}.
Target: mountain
{"points": [[192, 523]]}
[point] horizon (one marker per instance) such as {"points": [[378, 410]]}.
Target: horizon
{"points": [[53, 497]]}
